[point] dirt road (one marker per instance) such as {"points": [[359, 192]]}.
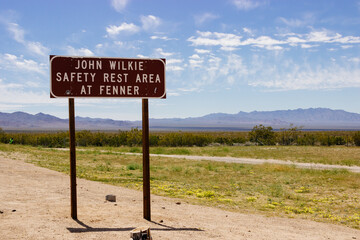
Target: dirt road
{"points": [[34, 204], [320, 166]]}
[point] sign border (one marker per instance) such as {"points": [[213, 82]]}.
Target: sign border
{"points": [[52, 95]]}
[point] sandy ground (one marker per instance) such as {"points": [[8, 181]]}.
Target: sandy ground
{"points": [[35, 204]]}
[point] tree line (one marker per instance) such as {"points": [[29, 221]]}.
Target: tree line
{"points": [[259, 135]]}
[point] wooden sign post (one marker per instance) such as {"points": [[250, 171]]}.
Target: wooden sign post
{"points": [[89, 77], [146, 159], [72, 159]]}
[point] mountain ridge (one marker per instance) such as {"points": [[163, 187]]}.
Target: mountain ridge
{"points": [[311, 118]]}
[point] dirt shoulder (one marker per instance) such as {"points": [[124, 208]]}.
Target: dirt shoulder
{"points": [[35, 204]]}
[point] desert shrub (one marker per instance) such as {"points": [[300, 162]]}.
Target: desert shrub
{"points": [[134, 137], [356, 138], [3, 137], [339, 140], [262, 135], [84, 138], [289, 136]]}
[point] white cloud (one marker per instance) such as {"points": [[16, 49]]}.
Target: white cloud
{"points": [[12, 62], [162, 38], [228, 49], [194, 56], [234, 68], [172, 94], [215, 39], [247, 4], [181, 91], [326, 36], [119, 43], [292, 22], [119, 5], [150, 22], [307, 19], [221, 71], [142, 56], [10, 106], [160, 51], [174, 68], [205, 17], [189, 89], [270, 47], [17, 32], [320, 36], [305, 77], [295, 40], [78, 52], [18, 35], [308, 46], [262, 41], [248, 31], [355, 60], [173, 64], [113, 30], [173, 61], [202, 51], [195, 61], [23, 96], [7, 86], [229, 41], [38, 48]]}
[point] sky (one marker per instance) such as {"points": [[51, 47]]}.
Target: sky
{"points": [[221, 55]]}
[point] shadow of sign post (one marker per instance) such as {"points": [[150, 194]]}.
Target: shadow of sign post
{"points": [[98, 77]]}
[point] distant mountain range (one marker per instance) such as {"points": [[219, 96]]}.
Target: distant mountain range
{"points": [[41, 121], [312, 118]]}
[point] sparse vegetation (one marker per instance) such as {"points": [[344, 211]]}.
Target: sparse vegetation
{"points": [[259, 135]]}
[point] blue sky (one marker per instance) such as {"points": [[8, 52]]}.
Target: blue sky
{"points": [[222, 56]]}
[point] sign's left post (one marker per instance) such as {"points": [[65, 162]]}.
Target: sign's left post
{"points": [[72, 159]]}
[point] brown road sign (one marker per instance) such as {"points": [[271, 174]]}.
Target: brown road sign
{"points": [[107, 77]]}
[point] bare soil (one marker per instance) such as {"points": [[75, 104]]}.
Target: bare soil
{"points": [[35, 204]]}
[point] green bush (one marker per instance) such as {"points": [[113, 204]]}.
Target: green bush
{"points": [[262, 135], [356, 138]]}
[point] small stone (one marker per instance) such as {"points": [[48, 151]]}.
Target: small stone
{"points": [[178, 203], [14, 210], [1, 212], [163, 207], [110, 198], [226, 215], [161, 221], [249, 231]]}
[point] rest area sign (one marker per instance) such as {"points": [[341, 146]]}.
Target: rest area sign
{"points": [[106, 77]]}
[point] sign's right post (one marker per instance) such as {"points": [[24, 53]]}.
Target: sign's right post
{"points": [[146, 159]]}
